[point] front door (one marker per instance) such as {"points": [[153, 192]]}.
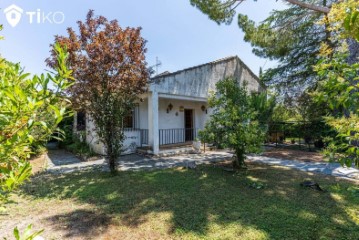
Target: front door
{"points": [[188, 124]]}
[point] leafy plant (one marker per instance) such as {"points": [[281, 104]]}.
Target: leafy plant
{"points": [[339, 86], [29, 112], [235, 122], [67, 131], [80, 149], [109, 65], [23, 103], [27, 234]]}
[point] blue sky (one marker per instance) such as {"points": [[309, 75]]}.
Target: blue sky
{"points": [[177, 33]]}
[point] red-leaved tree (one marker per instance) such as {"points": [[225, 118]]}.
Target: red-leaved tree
{"points": [[108, 63]]}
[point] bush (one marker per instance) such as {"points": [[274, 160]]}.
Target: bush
{"points": [[235, 122], [80, 149]]}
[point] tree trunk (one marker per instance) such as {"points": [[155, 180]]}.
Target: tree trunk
{"points": [[112, 164], [238, 162], [110, 154]]}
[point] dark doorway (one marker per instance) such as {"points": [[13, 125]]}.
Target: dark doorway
{"points": [[81, 121], [188, 124]]}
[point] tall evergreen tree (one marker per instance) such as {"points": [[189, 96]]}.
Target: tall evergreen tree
{"points": [[291, 36]]}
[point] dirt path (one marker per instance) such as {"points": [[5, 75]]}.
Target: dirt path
{"points": [[290, 154]]}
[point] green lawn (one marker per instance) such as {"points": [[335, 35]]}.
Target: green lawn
{"points": [[203, 203]]}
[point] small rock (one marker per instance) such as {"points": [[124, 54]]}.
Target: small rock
{"points": [[191, 165]]}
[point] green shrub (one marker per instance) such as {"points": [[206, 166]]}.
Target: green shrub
{"points": [[80, 149]]}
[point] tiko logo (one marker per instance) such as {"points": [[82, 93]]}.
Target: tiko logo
{"points": [[13, 15]]}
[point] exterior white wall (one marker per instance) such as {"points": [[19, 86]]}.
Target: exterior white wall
{"points": [[132, 139], [170, 120], [92, 137]]}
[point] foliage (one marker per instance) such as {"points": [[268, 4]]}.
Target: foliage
{"points": [[343, 19], [236, 119], [263, 105], [223, 11], [29, 114], [80, 149], [341, 90], [291, 37], [24, 101], [109, 66], [339, 87], [217, 10], [309, 109], [27, 234], [66, 127], [282, 113]]}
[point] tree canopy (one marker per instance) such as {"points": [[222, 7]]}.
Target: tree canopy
{"points": [[108, 63], [223, 11], [238, 119], [292, 37]]}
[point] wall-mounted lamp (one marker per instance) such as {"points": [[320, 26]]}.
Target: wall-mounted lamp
{"points": [[169, 108], [181, 108], [204, 109]]}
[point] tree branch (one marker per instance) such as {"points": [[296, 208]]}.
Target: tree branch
{"points": [[309, 6], [305, 5]]}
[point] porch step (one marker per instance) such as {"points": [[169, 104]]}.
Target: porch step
{"points": [[168, 151]]}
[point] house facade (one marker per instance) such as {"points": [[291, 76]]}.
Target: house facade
{"points": [[175, 107]]}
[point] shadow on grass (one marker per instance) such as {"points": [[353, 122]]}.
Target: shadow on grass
{"points": [[84, 223], [207, 202]]}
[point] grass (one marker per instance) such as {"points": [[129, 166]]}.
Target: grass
{"points": [[206, 203]]}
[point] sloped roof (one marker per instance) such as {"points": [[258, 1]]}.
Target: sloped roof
{"points": [[167, 74]]}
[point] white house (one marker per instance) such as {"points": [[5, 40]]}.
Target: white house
{"points": [[170, 114]]}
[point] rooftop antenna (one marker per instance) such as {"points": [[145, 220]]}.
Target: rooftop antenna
{"points": [[158, 64]]}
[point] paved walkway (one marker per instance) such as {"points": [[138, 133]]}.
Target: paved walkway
{"points": [[68, 163], [334, 169], [61, 157], [60, 161]]}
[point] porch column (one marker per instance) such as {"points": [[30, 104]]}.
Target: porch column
{"points": [[153, 130]]}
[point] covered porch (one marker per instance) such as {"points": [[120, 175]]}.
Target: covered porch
{"points": [[170, 123]]}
